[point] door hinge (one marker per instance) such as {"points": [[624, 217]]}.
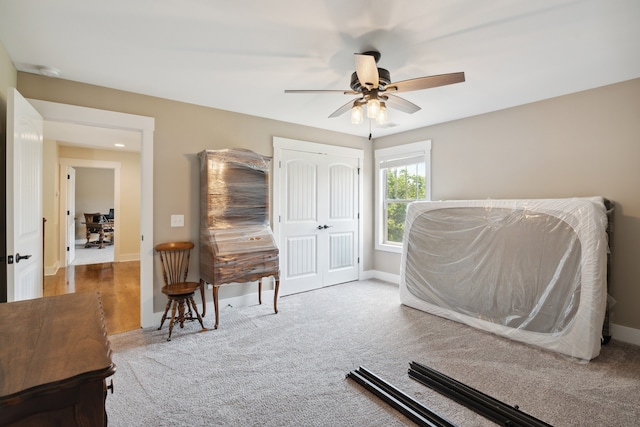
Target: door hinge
{"points": [[68, 176], [358, 171], [68, 213], [142, 237], [358, 260], [67, 248], [279, 164]]}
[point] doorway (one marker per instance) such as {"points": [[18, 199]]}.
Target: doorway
{"points": [[68, 204], [95, 190], [85, 116]]}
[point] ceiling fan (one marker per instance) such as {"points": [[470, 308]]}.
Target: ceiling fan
{"points": [[375, 90]]}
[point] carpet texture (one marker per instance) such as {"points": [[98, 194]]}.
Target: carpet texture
{"points": [[92, 255], [288, 369]]}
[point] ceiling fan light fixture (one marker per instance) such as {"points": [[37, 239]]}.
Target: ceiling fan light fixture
{"points": [[356, 115], [383, 116], [373, 108]]}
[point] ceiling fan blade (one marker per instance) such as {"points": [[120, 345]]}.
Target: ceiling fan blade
{"points": [[344, 92], [400, 104], [425, 82], [340, 111], [367, 70]]}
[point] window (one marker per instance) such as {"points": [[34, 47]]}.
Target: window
{"points": [[402, 176]]}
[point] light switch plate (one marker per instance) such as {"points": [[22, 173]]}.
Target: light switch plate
{"points": [[177, 220]]}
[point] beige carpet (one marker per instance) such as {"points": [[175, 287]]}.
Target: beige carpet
{"points": [[288, 369]]}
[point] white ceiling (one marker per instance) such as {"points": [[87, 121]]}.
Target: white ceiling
{"points": [[241, 55]]}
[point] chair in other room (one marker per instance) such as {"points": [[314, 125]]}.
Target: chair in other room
{"points": [[92, 226], [174, 257]]}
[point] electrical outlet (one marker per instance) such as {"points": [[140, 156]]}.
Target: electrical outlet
{"points": [[177, 220]]}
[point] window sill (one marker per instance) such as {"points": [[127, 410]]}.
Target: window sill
{"points": [[389, 248]]}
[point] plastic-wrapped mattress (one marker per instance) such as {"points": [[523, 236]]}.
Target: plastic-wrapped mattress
{"points": [[530, 270]]}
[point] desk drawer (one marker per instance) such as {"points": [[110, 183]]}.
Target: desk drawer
{"points": [[239, 272]]}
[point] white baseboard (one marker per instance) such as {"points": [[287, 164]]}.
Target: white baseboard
{"points": [[51, 271], [129, 257], [381, 275], [625, 334]]}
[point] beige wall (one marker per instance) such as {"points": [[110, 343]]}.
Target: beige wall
{"points": [[181, 131], [584, 144], [51, 206]]}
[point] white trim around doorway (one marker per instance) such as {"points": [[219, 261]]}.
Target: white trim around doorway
{"points": [[53, 111]]}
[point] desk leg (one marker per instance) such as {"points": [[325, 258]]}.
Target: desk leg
{"points": [[215, 303], [260, 291], [101, 238], [204, 300], [275, 294]]}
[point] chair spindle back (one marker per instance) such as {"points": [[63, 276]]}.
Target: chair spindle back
{"points": [[174, 258]]}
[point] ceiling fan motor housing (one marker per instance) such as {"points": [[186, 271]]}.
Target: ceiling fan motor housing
{"points": [[383, 80]]}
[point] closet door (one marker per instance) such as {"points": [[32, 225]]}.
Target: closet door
{"points": [[318, 220]]}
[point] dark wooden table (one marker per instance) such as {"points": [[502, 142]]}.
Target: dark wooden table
{"points": [[101, 228], [54, 361]]}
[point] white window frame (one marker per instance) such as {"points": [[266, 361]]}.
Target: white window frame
{"points": [[422, 148]]}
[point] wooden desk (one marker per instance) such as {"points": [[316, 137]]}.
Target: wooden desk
{"points": [[100, 228], [54, 361], [238, 256]]}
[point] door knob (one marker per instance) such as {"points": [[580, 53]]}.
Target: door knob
{"points": [[19, 257], [319, 227], [326, 226]]}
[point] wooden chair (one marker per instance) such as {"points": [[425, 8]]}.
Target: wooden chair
{"points": [[95, 226], [174, 258], [91, 228]]}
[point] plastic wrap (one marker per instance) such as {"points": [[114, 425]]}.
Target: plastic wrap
{"points": [[530, 270], [236, 241], [234, 188]]}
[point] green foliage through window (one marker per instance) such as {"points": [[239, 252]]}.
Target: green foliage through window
{"points": [[404, 184]]}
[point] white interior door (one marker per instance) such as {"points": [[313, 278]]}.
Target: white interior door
{"points": [[318, 220], [24, 199], [71, 215]]}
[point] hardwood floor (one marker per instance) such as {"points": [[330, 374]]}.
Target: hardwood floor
{"points": [[118, 284]]}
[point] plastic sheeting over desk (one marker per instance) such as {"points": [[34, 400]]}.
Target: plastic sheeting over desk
{"points": [[530, 270]]}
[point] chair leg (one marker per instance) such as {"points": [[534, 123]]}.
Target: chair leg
{"points": [[181, 312], [189, 315], [193, 303], [204, 300], [164, 316], [173, 318], [260, 291], [275, 294], [215, 303]]}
